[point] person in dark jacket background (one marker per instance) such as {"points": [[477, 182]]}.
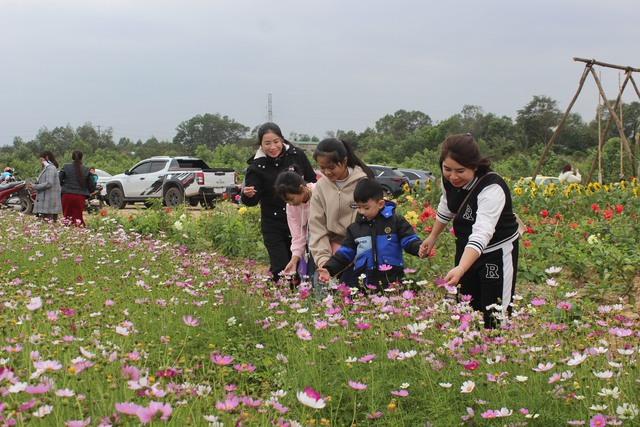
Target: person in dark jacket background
{"points": [[375, 241], [275, 154], [77, 183]]}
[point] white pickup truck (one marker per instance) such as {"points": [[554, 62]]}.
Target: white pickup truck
{"points": [[175, 180]]}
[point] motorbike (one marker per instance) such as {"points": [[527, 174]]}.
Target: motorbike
{"points": [[14, 195], [95, 202]]}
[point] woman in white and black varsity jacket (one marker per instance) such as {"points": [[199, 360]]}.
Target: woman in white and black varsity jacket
{"points": [[479, 203]]}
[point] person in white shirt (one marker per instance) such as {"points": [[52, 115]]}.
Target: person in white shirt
{"points": [[569, 175]]}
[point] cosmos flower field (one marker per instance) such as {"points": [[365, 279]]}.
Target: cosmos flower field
{"points": [[110, 326]]}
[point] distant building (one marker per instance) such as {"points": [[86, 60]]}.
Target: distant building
{"points": [[309, 146]]}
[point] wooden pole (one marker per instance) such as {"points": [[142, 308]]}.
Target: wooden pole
{"points": [[602, 137], [635, 86], [617, 119], [564, 119], [604, 64]]}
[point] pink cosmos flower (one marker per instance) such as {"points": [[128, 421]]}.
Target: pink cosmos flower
{"points": [[375, 415], [229, 404], [155, 409], [544, 367], [303, 334], [109, 303], [385, 267], [598, 420], [244, 367], [401, 393], [218, 359], [34, 304], [311, 398], [363, 325], [65, 392], [537, 302], [248, 401], [356, 385], [408, 294], [191, 321], [367, 358], [127, 408], [564, 305], [78, 423], [38, 389]]}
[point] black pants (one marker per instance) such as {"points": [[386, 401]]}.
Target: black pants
{"points": [[277, 240], [492, 280]]}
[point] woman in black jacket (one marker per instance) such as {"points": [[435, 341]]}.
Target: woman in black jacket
{"points": [[275, 154], [77, 184]]}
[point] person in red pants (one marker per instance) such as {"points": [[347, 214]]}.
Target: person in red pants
{"points": [[77, 183]]}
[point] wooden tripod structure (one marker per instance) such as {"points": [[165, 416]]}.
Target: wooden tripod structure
{"points": [[612, 111]]}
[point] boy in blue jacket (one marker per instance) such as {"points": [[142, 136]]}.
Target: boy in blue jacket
{"points": [[375, 241]]}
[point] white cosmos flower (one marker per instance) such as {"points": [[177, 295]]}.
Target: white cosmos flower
{"points": [[577, 359], [607, 392], [553, 270], [445, 385], [627, 411], [521, 378], [467, 387], [605, 375]]}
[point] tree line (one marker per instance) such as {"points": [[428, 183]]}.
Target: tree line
{"points": [[404, 138]]}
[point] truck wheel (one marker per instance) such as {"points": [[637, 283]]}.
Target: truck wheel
{"points": [[116, 198], [173, 197], [193, 202]]}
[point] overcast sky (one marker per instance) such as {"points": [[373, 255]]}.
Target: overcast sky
{"points": [[141, 67]]}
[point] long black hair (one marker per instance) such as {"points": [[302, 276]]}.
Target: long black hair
{"points": [[336, 151], [48, 155], [77, 156]]}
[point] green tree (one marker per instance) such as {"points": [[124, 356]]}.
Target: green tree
{"points": [[210, 130], [402, 123], [537, 121]]}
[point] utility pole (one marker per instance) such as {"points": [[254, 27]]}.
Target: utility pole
{"points": [[269, 110]]}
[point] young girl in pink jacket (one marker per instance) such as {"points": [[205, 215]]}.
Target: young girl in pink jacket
{"points": [[291, 187]]}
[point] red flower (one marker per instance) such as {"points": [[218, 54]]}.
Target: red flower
{"points": [[607, 214], [619, 209], [103, 212], [168, 209], [558, 217], [526, 243], [544, 213], [524, 209], [573, 225], [595, 207]]}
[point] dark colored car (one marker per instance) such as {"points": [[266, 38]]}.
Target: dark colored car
{"points": [[417, 177], [390, 178]]}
